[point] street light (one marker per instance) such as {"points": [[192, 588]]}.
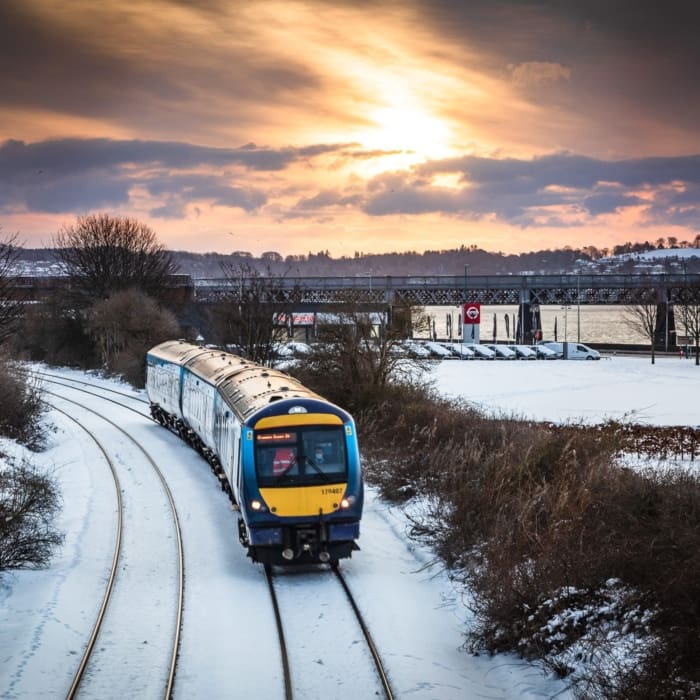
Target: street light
{"points": [[565, 309], [565, 353], [578, 308], [464, 325]]}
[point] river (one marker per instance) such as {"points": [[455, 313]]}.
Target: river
{"points": [[585, 324]]}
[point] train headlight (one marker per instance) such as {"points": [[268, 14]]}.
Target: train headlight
{"points": [[255, 504], [347, 502]]}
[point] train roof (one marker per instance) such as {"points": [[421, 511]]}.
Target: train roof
{"points": [[177, 351], [246, 386]]}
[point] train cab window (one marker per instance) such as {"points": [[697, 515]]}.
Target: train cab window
{"points": [[304, 456], [284, 461]]}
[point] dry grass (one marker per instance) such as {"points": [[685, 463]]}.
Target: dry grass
{"points": [[527, 511]]}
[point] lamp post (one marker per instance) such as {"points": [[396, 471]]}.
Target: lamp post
{"points": [[685, 308], [578, 308], [565, 353], [464, 325], [565, 309]]}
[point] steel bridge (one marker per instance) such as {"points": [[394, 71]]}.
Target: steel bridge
{"points": [[382, 293], [313, 293], [528, 292]]}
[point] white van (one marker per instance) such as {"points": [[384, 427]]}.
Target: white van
{"points": [[573, 351]]}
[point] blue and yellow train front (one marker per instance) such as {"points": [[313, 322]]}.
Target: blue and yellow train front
{"points": [[301, 490]]}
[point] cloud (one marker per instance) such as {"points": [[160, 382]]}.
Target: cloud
{"points": [[550, 190], [538, 73], [71, 155], [676, 206], [559, 189], [181, 190], [328, 198], [74, 175], [609, 203]]}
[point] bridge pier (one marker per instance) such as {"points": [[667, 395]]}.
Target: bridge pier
{"points": [[665, 327], [529, 321]]}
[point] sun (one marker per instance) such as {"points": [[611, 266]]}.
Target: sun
{"points": [[409, 129]]}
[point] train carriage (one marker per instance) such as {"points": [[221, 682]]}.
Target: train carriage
{"points": [[288, 458]]}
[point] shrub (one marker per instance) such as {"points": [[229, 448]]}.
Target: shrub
{"points": [[124, 327], [54, 332], [21, 407], [540, 520], [29, 502]]}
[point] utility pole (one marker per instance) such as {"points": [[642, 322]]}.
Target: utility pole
{"points": [[578, 307], [464, 325]]}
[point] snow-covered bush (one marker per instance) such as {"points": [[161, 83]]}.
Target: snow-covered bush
{"points": [[29, 502], [21, 406]]}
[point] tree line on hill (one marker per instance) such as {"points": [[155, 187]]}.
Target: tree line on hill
{"points": [[619, 258]]}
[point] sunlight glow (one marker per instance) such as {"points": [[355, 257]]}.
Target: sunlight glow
{"points": [[407, 129]]}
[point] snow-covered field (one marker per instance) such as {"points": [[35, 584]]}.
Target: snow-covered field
{"points": [[615, 387], [415, 614]]}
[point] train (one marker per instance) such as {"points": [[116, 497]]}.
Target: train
{"points": [[288, 459]]}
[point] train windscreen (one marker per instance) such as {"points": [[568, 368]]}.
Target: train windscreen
{"points": [[301, 456]]}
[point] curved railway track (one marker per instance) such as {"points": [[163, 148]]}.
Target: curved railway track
{"points": [[84, 665], [378, 666], [378, 672], [70, 383]]}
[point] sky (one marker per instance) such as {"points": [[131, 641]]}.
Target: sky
{"points": [[360, 126]]}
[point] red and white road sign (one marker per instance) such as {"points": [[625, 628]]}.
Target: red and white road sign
{"points": [[472, 312]]}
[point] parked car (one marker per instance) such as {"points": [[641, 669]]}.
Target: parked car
{"points": [[524, 352], [481, 352], [439, 350], [503, 352], [292, 349], [416, 349], [544, 352], [573, 351], [460, 350]]}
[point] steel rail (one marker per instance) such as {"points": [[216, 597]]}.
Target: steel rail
{"points": [[115, 559], [178, 533], [54, 379], [63, 378], [280, 633], [368, 637]]}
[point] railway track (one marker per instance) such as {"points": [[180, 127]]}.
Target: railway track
{"points": [[119, 630], [300, 677], [325, 638], [69, 382]]}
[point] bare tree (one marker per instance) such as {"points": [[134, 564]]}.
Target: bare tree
{"points": [[689, 306], [691, 322], [105, 254], [125, 326], [29, 502], [10, 297], [643, 319], [360, 352], [255, 315]]}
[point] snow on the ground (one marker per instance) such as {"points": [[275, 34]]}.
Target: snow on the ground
{"points": [[615, 387], [416, 615]]}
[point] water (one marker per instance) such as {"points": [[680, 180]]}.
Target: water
{"points": [[585, 324]]}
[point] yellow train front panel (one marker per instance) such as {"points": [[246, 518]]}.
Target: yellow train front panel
{"points": [[303, 501]]}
